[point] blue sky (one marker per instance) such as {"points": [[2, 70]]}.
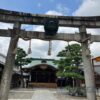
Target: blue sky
{"points": [[66, 7]]}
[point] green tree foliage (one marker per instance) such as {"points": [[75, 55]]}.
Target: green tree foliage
{"points": [[68, 65], [21, 59]]}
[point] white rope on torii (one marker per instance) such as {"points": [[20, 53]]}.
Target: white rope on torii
{"points": [[50, 47], [29, 48]]}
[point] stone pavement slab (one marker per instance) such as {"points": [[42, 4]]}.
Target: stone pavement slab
{"points": [[43, 95], [20, 94], [19, 99]]}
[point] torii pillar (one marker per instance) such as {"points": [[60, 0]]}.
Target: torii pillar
{"points": [[88, 68], [10, 62]]}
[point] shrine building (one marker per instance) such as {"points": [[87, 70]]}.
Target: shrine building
{"points": [[42, 73]]}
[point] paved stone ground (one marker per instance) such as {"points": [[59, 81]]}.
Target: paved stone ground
{"points": [[41, 94], [21, 94]]}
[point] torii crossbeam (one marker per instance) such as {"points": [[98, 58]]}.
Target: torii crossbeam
{"points": [[37, 19]]}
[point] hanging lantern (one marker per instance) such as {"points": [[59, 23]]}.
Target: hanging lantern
{"points": [[51, 27], [29, 49]]}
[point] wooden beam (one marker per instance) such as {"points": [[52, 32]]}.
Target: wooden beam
{"points": [[95, 38], [5, 33], [27, 35], [37, 19]]}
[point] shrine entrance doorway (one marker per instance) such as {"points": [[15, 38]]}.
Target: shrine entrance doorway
{"points": [[42, 75]]}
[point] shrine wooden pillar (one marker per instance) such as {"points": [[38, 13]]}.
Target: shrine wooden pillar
{"points": [[10, 63]]}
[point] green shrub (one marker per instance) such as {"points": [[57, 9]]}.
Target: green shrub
{"points": [[76, 91]]}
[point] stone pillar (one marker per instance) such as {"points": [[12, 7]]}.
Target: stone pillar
{"points": [[9, 64], [88, 68]]}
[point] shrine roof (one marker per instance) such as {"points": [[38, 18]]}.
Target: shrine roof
{"points": [[41, 61]]}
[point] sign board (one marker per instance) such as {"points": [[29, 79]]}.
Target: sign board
{"points": [[97, 59]]}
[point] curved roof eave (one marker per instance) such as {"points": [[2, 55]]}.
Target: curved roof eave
{"points": [[41, 64], [44, 64]]}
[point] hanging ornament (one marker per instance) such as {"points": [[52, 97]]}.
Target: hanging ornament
{"points": [[51, 26], [49, 50], [29, 49]]}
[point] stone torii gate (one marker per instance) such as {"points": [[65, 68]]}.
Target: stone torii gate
{"points": [[18, 18]]}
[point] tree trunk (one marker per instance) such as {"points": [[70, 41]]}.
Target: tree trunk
{"points": [[22, 79], [9, 64], [73, 82], [77, 82]]}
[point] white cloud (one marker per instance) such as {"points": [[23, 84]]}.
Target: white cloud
{"points": [[62, 9], [39, 28], [95, 49], [67, 30], [5, 26], [88, 8], [52, 12], [4, 43]]}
